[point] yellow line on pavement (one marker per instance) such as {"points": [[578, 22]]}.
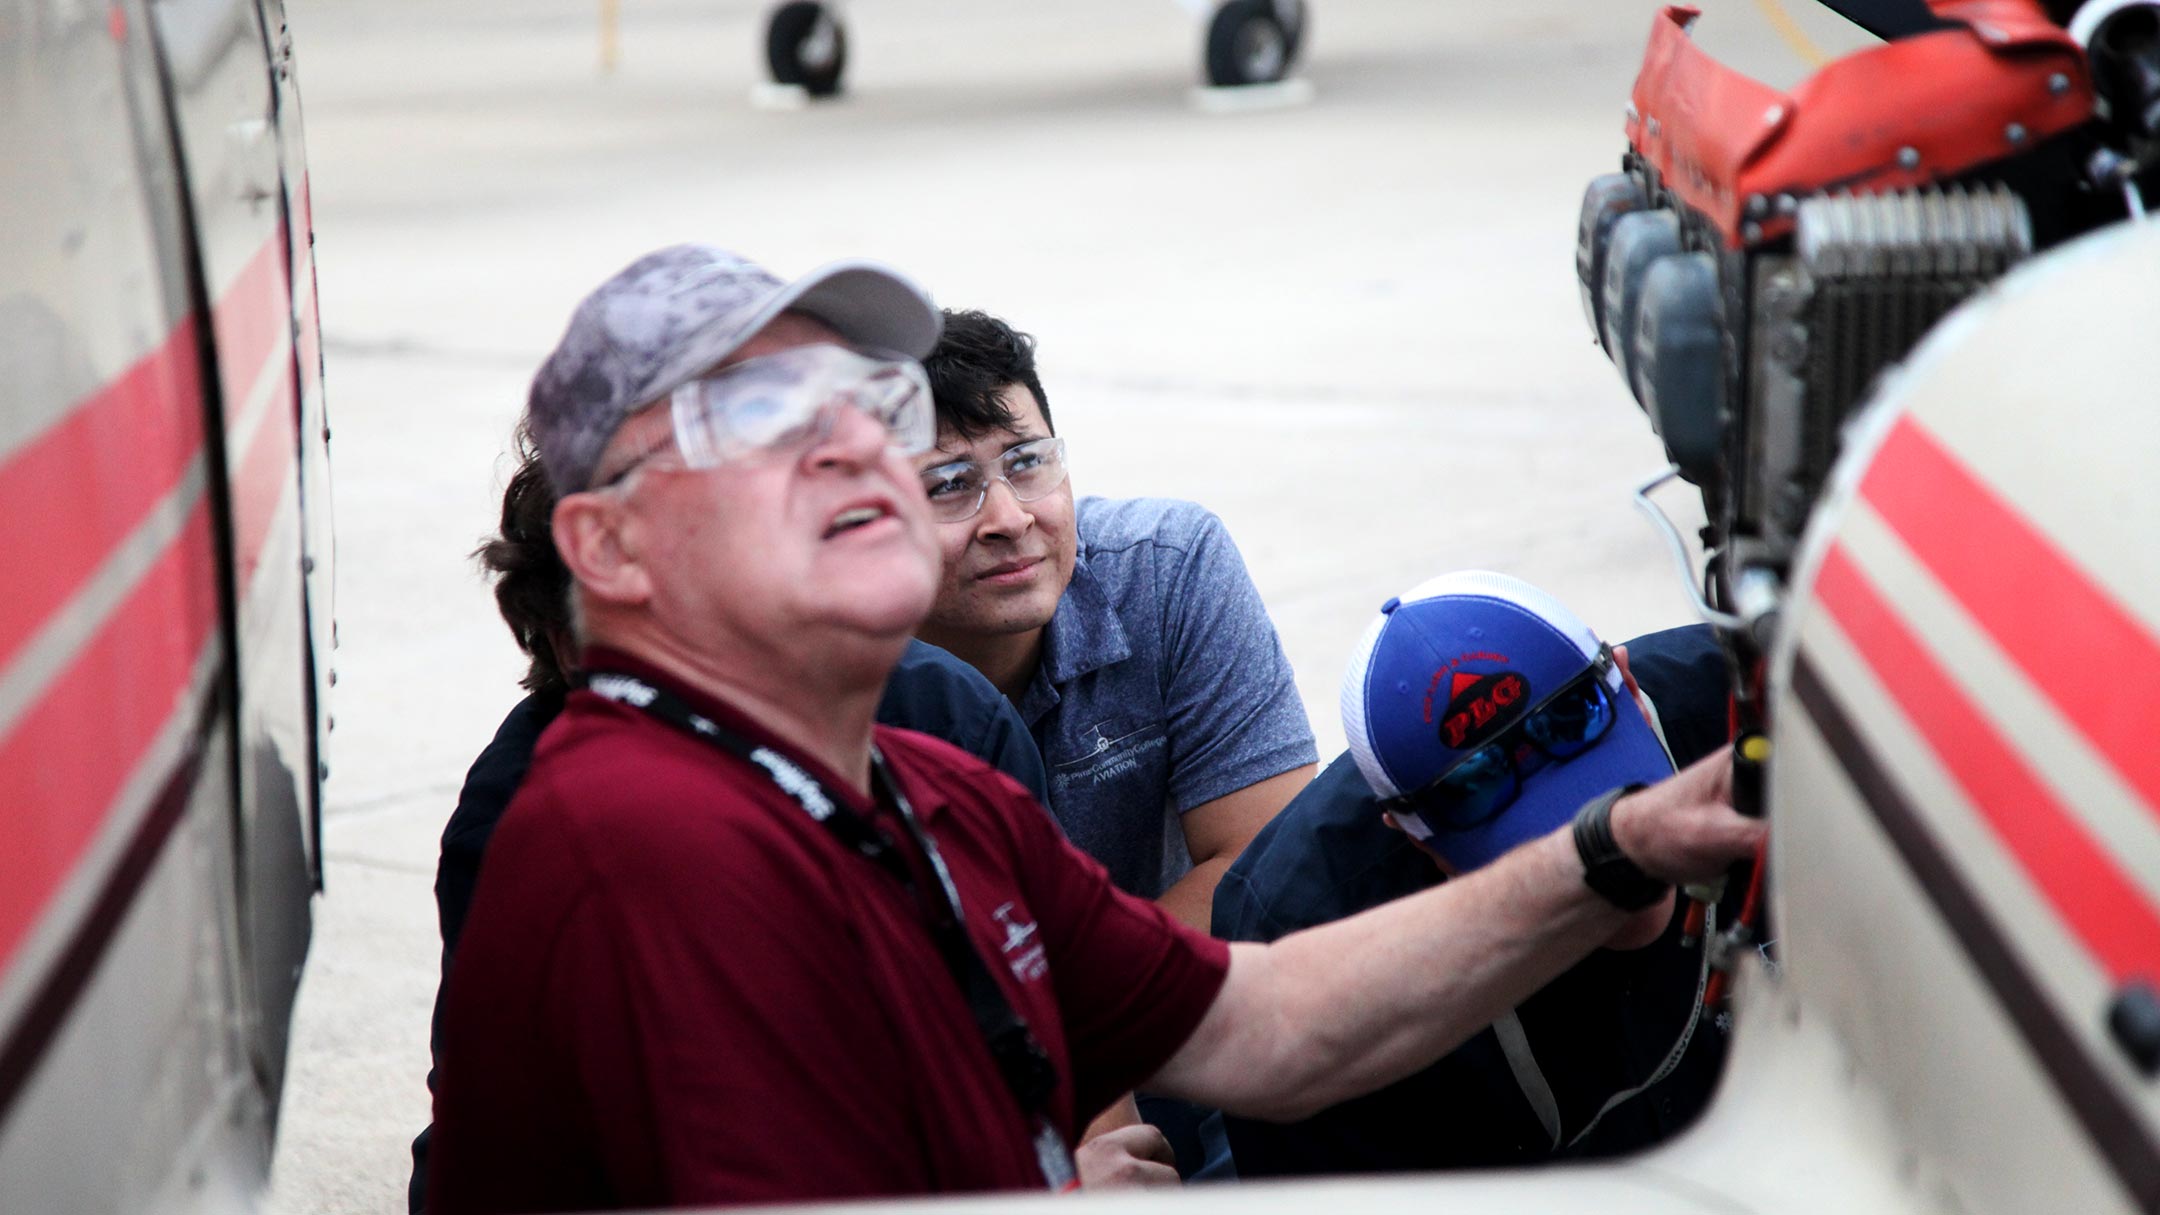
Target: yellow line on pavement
{"points": [[1790, 31]]}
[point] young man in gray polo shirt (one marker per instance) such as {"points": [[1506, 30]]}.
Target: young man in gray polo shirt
{"points": [[1127, 632], [1132, 641]]}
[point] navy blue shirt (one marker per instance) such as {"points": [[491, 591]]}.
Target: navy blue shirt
{"points": [[1601, 1027], [1162, 687], [930, 691]]}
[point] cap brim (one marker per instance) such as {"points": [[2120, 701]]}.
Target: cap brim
{"points": [[1631, 754], [868, 304]]}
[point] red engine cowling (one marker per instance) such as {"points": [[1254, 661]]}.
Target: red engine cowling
{"points": [[1765, 254]]}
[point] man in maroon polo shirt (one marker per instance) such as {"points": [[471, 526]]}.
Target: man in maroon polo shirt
{"points": [[733, 943]]}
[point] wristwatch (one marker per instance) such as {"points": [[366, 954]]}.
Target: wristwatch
{"points": [[1606, 869]]}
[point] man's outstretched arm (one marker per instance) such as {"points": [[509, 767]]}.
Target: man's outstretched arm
{"points": [[1344, 1008]]}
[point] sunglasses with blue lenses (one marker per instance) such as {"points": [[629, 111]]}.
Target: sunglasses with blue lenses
{"points": [[1475, 789]]}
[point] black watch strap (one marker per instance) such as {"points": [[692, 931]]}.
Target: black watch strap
{"points": [[1606, 869]]}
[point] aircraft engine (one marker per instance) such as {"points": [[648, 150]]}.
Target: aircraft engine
{"points": [[1762, 256], [1895, 326]]}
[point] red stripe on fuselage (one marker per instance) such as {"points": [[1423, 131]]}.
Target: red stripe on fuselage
{"points": [[2094, 661], [76, 492], [248, 319], [252, 317], [83, 487], [86, 488], [66, 759], [2092, 894], [258, 483]]}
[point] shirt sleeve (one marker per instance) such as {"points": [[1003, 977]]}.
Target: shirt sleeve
{"points": [[1240, 912], [933, 692], [1235, 714], [1007, 745], [1683, 672], [1132, 983]]}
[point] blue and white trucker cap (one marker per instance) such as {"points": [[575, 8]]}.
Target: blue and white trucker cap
{"points": [[1442, 671]]}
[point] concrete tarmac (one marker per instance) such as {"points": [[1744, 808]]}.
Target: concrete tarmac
{"points": [[1351, 328]]}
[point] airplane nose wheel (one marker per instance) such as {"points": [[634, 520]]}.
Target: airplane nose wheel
{"points": [[1253, 41], [806, 45]]}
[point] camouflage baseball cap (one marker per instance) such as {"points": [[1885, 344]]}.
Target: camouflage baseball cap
{"points": [[670, 315]]}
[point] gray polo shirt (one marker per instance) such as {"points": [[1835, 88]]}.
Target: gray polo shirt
{"points": [[1162, 686]]}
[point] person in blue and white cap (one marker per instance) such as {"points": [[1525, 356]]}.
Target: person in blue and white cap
{"points": [[736, 942], [1482, 714]]}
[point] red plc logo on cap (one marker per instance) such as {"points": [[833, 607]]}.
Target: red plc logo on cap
{"points": [[1477, 704]]}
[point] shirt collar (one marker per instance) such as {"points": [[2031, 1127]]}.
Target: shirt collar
{"points": [[921, 795], [1083, 635]]}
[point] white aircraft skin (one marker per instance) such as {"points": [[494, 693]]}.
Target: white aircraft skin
{"points": [[162, 469], [1965, 869], [1970, 832]]}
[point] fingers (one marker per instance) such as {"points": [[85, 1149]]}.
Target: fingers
{"points": [[1129, 1156], [1737, 837], [1122, 1112], [1683, 829], [1708, 778], [1147, 1143], [1720, 764]]}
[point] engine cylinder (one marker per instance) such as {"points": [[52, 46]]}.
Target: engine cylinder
{"points": [[1637, 240], [1605, 200], [1680, 361]]}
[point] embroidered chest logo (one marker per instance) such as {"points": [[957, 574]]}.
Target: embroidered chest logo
{"points": [[1023, 952], [1478, 704], [1098, 742]]}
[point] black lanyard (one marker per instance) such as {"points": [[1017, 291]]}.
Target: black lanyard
{"points": [[1020, 1059]]}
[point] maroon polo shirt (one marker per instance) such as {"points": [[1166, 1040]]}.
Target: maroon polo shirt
{"points": [[675, 988]]}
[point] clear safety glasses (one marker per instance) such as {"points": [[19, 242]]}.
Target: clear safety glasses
{"points": [[1476, 788], [788, 400], [1030, 470]]}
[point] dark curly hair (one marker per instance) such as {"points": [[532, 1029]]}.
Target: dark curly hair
{"points": [[532, 585], [977, 356]]}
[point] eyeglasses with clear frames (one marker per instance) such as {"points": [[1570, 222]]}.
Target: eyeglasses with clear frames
{"points": [[788, 400], [1030, 470]]}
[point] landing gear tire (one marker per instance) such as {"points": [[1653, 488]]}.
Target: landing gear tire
{"points": [[1253, 41], [1290, 14], [805, 45]]}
